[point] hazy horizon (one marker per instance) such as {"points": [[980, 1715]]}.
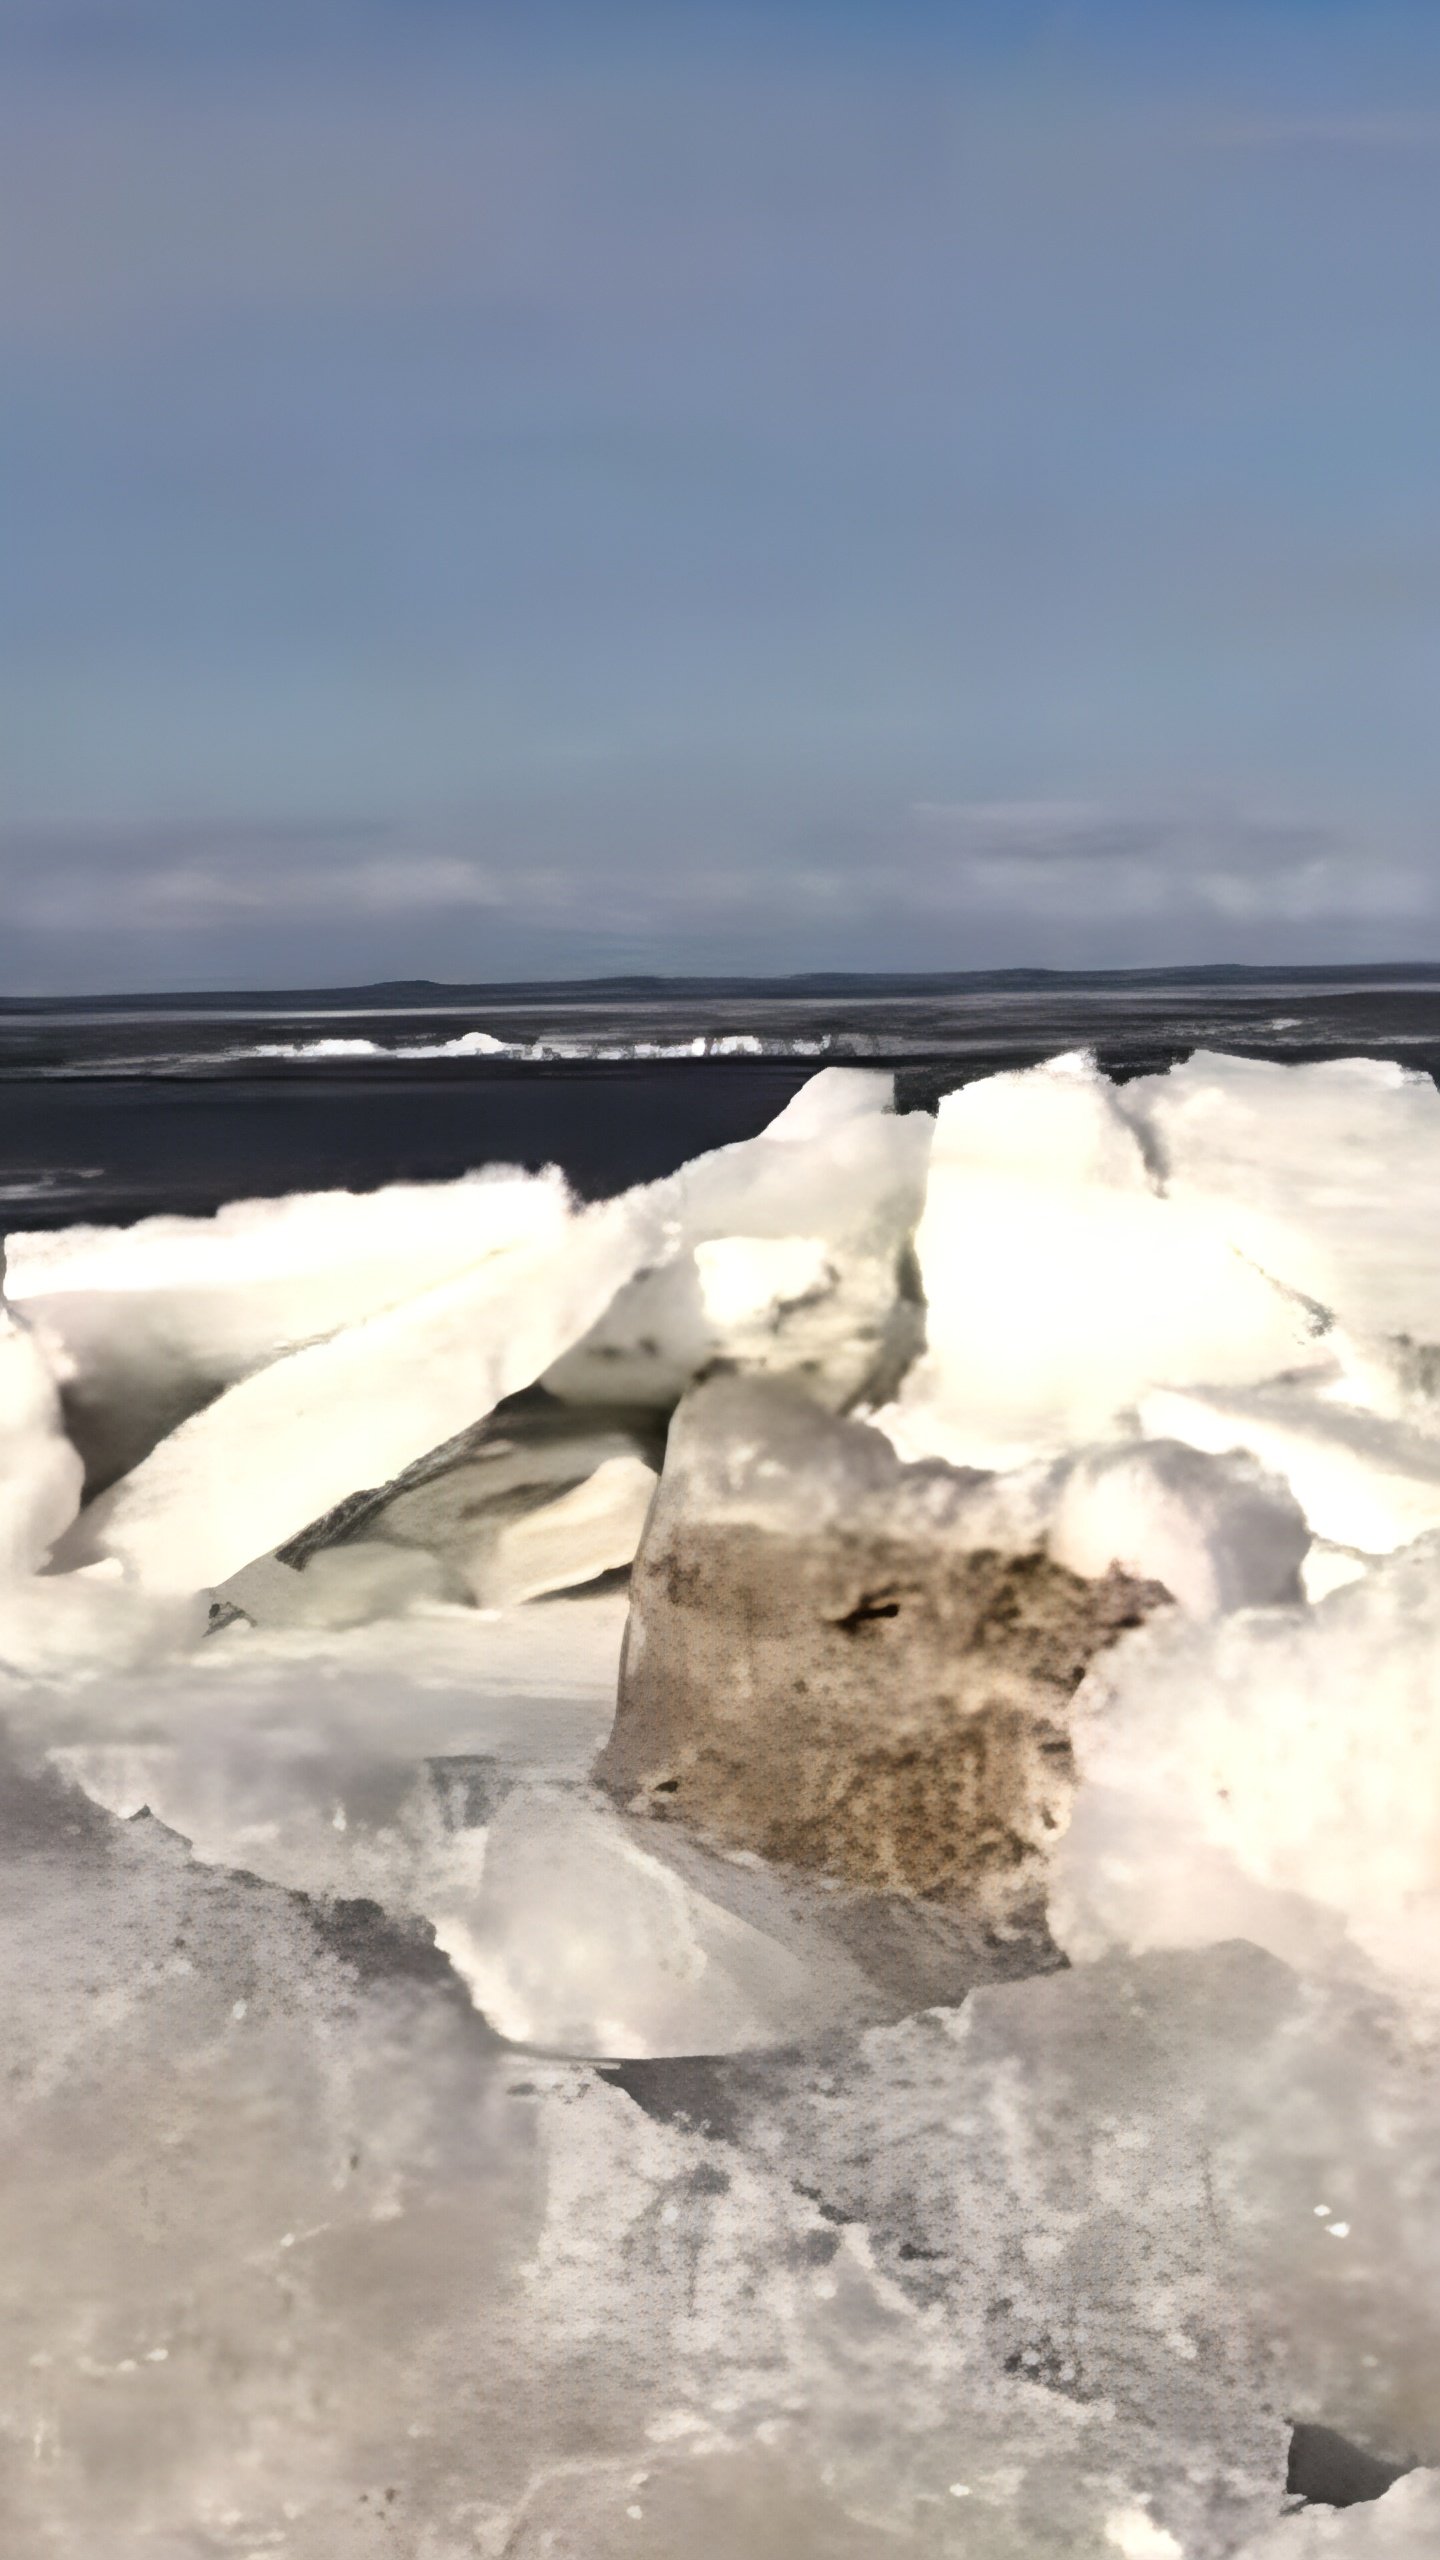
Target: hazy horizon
{"points": [[817, 982]]}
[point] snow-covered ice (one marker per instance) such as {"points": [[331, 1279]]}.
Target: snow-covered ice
{"points": [[1111, 2180]]}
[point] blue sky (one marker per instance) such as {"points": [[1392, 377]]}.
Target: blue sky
{"points": [[491, 490]]}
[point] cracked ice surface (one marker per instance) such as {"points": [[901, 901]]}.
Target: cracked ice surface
{"points": [[283, 2223]]}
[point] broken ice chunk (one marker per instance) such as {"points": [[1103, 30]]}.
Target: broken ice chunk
{"points": [[591, 1530], [540, 1497], [1327, 1176], [785, 1256], [1274, 1774], [341, 1586], [40, 1473], [1363, 1480], [582, 1940], [830, 1101], [280, 1449], [260, 2178], [836, 1662], [591, 1932], [1217, 1531], [1059, 1286], [148, 1323], [341, 1761]]}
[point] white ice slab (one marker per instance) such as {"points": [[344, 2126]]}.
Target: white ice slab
{"points": [[284, 1446], [1326, 1176], [1273, 1775], [1060, 1287], [40, 1473], [146, 1323]]}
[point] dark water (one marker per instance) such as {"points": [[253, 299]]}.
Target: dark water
{"points": [[117, 1108]]}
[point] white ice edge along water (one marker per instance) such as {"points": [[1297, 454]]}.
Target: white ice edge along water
{"points": [[284, 2222], [328, 1048], [483, 1044]]}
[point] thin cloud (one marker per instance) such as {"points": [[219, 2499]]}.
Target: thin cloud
{"points": [[1020, 869], [72, 879], [1091, 832], [1064, 861]]}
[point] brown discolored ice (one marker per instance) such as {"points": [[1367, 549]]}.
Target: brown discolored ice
{"points": [[847, 1665]]}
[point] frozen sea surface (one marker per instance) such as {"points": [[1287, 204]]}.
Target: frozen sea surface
{"points": [[909, 2023]]}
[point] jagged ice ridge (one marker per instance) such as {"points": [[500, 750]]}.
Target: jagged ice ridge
{"points": [[907, 2022]]}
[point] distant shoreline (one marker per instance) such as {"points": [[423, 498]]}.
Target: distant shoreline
{"points": [[853, 984]]}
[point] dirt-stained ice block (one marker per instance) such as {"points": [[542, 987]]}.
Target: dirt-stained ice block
{"points": [[850, 1666]]}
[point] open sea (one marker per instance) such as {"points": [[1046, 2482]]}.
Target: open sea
{"points": [[114, 1108]]}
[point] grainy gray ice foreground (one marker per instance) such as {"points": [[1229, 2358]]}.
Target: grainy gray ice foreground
{"points": [[910, 2022]]}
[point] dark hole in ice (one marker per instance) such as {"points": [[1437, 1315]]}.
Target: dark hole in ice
{"points": [[712, 2094], [468, 1786], [615, 1578], [1327, 2470], [870, 1606], [814, 2249], [707, 2180]]}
